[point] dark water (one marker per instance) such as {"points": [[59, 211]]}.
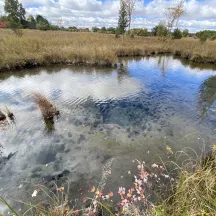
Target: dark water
{"points": [[127, 113]]}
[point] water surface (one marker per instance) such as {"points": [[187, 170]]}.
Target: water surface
{"points": [[131, 112]]}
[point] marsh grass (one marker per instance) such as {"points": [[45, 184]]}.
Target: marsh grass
{"points": [[47, 108], [37, 48], [194, 193]]}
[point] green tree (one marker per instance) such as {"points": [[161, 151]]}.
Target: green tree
{"points": [[31, 22], [103, 29], [42, 23], [154, 31], [177, 34], [95, 29], [123, 17], [31, 19], [162, 30], [185, 33], [16, 12], [111, 30]]}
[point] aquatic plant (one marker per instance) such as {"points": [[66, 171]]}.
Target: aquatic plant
{"points": [[47, 108]]}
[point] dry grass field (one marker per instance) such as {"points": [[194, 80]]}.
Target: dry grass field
{"points": [[37, 48]]}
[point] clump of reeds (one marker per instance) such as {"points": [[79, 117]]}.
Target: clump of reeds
{"points": [[47, 108]]}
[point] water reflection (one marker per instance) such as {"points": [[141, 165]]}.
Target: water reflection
{"points": [[163, 63], [120, 113], [207, 94]]}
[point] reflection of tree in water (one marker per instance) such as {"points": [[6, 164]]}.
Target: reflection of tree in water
{"points": [[122, 72], [207, 94], [163, 63]]}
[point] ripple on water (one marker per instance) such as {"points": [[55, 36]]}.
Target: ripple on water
{"points": [[105, 113]]}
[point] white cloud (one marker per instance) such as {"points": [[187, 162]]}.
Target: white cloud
{"points": [[87, 13]]}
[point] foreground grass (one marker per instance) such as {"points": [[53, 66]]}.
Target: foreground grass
{"points": [[193, 194], [36, 48]]}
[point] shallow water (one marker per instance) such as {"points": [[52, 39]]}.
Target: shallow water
{"points": [[131, 112]]}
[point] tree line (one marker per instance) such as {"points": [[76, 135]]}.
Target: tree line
{"points": [[16, 18]]}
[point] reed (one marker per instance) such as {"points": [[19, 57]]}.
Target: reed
{"points": [[47, 108], [37, 48]]}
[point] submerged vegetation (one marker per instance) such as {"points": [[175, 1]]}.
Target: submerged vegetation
{"points": [[37, 48]]}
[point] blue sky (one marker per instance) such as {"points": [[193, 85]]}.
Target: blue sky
{"points": [[200, 14]]}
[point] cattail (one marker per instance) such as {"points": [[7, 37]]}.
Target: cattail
{"points": [[47, 108]]}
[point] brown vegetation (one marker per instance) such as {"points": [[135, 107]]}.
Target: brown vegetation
{"points": [[37, 48], [6, 113], [48, 109]]}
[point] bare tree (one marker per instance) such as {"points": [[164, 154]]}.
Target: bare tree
{"points": [[173, 15], [130, 6]]}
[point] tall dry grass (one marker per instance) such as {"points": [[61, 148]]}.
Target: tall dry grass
{"points": [[36, 48]]}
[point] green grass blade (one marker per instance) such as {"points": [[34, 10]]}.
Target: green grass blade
{"points": [[8, 205]]}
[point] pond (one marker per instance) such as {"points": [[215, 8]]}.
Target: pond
{"points": [[130, 112]]}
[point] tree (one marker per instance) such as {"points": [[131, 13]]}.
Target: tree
{"points": [[31, 22], [111, 30], [177, 34], [173, 15], [42, 23], [162, 30], [154, 30], [31, 19], [123, 17], [41, 20], [185, 33], [15, 11], [95, 29], [73, 28], [103, 29], [130, 6]]}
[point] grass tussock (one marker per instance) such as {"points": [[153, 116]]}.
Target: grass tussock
{"points": [[195, 191], [36, 48], [47, 108]]}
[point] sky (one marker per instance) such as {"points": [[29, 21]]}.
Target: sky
{"points": [[200, 14]]}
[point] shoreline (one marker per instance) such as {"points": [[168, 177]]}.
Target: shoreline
{"points": [[31, 64], [37, 48]]}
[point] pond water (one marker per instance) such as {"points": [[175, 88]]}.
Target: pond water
{"points": [[130, 112]]}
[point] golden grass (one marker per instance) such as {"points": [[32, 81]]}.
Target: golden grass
{"points": [[47, 108], [36, 48]]}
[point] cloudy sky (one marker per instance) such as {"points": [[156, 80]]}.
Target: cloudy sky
{"points": [[200, 14]]}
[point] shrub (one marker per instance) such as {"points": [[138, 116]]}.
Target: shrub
{"points": [[111, 30], [141, 32], [185, 33], [42, 27], [95, 29], [213, 37], [129, 33], [117, 33], [162, 30], [16, 28], [204, 35], [177, 34]]}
